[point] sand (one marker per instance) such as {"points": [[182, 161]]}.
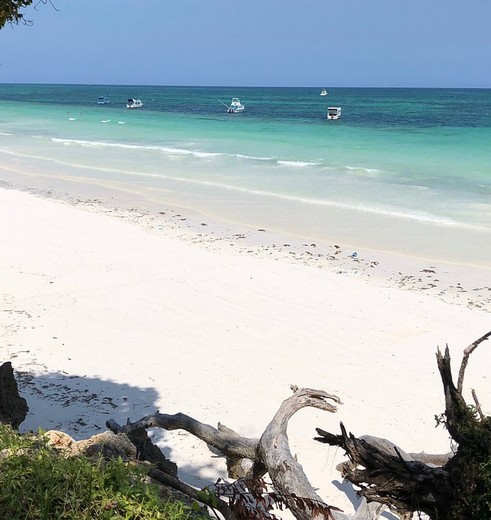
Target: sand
{"points": [[114, 313]]}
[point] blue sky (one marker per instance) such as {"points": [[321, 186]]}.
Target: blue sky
{"points": [[419, 43]]}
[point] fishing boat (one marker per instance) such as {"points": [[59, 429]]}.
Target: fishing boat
{"points": [[323, 92], [134, 103], [103, 100], [235, 106], [333, 112]]}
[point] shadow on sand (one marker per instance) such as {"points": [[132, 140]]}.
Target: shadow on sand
{"points": [[80, 407]]}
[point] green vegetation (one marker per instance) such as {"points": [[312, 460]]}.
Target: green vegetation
{"points": [[10, 11], [39, 483], [471, 469]]}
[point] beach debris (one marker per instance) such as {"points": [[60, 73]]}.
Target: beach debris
{"points": [[453, 485], [254, 458]]}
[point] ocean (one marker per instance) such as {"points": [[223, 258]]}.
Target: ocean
{"points": [[403, 170]]}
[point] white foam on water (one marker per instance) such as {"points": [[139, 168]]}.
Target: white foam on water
{"points": [[362, 171], [130, 146], [299, 164], [414, 215], [252, 157], [173, 151]]}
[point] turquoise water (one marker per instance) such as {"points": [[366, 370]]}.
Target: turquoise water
{"points": [[397, 158]]}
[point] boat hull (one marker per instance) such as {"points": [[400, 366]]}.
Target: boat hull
{"points": [[333, 112], [134, 103], [235, 107]]}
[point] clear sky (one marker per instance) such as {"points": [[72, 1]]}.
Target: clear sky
{"points": [[393, 43]]}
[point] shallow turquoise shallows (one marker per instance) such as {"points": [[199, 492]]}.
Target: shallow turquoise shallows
{"points": [[413, 155]]}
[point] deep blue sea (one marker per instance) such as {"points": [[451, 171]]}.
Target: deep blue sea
{"points": [[399, 165]]}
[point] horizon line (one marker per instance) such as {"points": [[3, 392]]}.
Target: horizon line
{"points": [[240, 86]]}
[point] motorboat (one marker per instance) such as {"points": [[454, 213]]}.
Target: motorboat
{"points": [[235, 106], [134, 103], [103, 100], [323, 92], [333, 112]]}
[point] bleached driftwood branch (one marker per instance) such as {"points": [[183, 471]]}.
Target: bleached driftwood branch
{"points": [[465, 359], [270, 454], [273, 452]]}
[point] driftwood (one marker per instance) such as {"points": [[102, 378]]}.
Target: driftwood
{"points": [[250, 459], [273, 452], [163, 470], [145, 448], [445, 487], [388, 478]]}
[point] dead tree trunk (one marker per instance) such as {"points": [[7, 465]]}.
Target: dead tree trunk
{"points": [[250, 459], [274, 456], [388, 478], [458, 489]]}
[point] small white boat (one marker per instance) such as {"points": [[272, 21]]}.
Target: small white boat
{"points": [[323, 92], [235, 106], [134, 103], [103, 100], [333, 112]]}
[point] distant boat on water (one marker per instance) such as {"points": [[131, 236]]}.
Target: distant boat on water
{"points": [[134, 103], [235, 106], [323, 92], [333, 112], [103, 100]]}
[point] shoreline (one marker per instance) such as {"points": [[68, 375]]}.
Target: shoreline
{"points": [[117, 317], [355, 229], [453, 282]]}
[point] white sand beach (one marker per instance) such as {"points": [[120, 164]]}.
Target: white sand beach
{"points": [[110, 313]]}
